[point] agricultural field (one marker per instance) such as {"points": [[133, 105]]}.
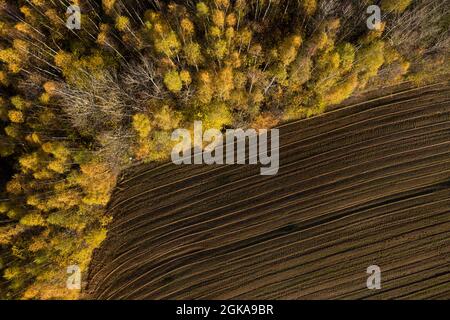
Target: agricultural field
{"points": [[365, 184]]}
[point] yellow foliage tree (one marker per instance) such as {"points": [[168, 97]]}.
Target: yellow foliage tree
{"points": [[173, 81], [166, 118], [97, 182], [33, 219], [142, 125], [193, 54], [16, 116], [309, 6]]}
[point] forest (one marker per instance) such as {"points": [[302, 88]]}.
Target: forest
{"points": [[78, 106]]}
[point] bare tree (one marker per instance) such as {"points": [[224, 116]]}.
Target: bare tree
{"points": [[142, 82], [422, 25], [96, 104]]}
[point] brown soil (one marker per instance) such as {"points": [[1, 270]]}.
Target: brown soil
{"points": [[365, 184]]}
